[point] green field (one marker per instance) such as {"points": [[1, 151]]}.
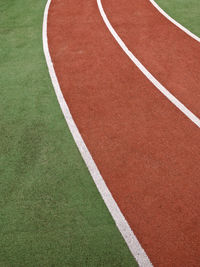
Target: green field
{"points": [[51, 213], [186, 12]]}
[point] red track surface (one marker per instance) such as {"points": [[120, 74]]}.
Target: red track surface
{"points": [[145, 148], [166, 51]]}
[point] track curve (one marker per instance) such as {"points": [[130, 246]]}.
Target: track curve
{"points": [[146, 151]]}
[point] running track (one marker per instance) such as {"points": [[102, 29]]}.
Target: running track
{"points": [[145, 148]]}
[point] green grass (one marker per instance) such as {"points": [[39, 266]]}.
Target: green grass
{"points": [[50, 211], [186, 12]]}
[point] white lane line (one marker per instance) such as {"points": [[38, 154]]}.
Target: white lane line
{"points": [[174, 21], [118, 217], [159, 86]]}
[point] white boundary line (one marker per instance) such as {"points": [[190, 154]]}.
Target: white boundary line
{"points": [[159, 86], [174, 21], [123, 226]]}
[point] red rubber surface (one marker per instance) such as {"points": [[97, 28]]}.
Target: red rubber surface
{"points": [[145, 148], [167, 52]]}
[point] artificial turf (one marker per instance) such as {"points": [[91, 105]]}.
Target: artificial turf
{"points": [[51, 213], [186, 12]]}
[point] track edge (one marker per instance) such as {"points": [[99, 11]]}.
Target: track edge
{"points": [[180, 26], [120, 221]]}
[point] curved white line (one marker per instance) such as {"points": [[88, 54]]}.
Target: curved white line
{"points": [[174, 21], [159, 86], [118, 217]]}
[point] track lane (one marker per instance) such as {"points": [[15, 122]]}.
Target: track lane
{"points": [[155, 82], [167, 52], [141, 144]]}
